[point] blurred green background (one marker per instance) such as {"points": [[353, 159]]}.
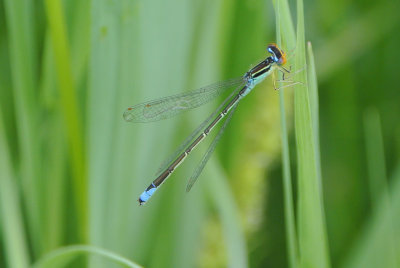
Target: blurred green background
{"points": [[71, 168]]}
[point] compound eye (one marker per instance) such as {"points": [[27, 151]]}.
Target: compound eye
{"points": [[272, 48], [282, 59], [278, 55]]}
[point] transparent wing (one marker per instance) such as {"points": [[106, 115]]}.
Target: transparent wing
{"points": [[196, 132], [209, 152], [170, 106]]}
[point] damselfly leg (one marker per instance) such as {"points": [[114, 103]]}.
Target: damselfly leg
{"points": [[287, 76]]}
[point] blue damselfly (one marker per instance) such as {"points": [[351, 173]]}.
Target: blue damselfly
{"points": [[170, 106]]}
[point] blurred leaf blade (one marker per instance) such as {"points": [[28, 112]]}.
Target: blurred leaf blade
{"points": [[23, 61], [101, 104], [62, 256], [221, 196], [314, 107], [15, 242], [70, 108], [371, 249], [379, 189], [363, 33], [375, 156]]}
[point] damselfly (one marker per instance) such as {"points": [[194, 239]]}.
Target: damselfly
{"points": [[170, 106]]}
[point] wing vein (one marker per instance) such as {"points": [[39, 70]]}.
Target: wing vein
{"points": [[170, 106]]}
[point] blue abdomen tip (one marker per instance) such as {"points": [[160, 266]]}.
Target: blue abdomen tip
{"points": [[145, 196]]}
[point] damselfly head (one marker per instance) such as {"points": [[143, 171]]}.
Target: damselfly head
{"points": [[278, 55]]}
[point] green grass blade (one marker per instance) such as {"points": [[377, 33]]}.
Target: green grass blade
{"points": [[375, 156], [70, 109], [14, 241], [313, 244], [372, 249], [223, 200], [55, 222], [361, 35], [285, 29], [102, 114], [62, 256], [122, 157], [379, 188], [23, 61], [314, 107], [284, 18], [291, 235]]}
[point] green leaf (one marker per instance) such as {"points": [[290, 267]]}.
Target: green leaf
{"points": [[375, 156], [222, 198], [314, 106], [58, 32], [378, 244], [311, 222], [62, 256], [15, 242], [23, 62], [284, 30]]}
